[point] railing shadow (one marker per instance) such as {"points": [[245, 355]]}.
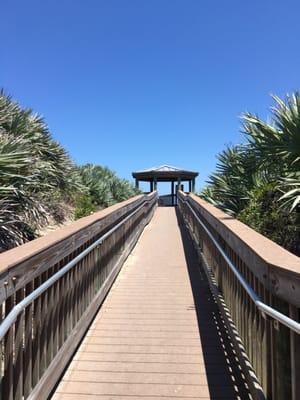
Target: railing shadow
{"points": [[224, 375]]}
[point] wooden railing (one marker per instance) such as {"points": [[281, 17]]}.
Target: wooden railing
{"points": [[51, 288], [271, 275]]}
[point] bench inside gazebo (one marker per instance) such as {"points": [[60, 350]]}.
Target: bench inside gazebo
{"points": [[166, 173]]}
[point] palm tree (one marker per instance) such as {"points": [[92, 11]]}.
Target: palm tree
{"points": [[102, 188], [259, 182], [228, 188], [277, 145], [36, 173]]}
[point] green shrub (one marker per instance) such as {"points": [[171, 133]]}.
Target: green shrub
{"points": [[263, 214], [36, 174], [259, 181], [104, 186], [84, 206]]}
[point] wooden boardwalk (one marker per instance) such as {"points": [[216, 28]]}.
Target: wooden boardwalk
{"points": [[159, 334]]}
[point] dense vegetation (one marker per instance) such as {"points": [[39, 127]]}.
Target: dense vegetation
{"points": [[40, 183], [102, 188], [258, 182]]}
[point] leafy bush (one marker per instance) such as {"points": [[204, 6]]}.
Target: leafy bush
{"points": [[84, 206], [39, 183], [259, 181], [102, 187], [263, 214], [34, 171]]}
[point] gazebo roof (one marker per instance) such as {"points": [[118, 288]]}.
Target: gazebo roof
{"points": [[164, 173]]}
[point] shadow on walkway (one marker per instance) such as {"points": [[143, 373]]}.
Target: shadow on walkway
{"points": [[224, 375]]}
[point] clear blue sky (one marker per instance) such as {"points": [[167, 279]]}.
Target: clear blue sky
{"points": [[131, 84]]}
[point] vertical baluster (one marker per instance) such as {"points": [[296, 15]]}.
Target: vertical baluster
{"points": [[67, 303], [7, 393], [96, 271], [91, 276], [248, 316], [71, 298], [253, 327], [77, 292], [82, 286], [62, 291], [85, 282], [229, 286], [295, 355], [256, 343], [245, 314], [98, 266], [18, 350], [282, 354], [37, 335], [273, 354], [241, 308], [50, 320], [234, 294], [1, 354], [44, 319], [28, 343], [266, 363], [101, 264], [109, 252], [105, 258], [56, 302]]}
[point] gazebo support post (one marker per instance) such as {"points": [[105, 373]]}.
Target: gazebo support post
{"points": [[178, 187], [193, 185], [137, 184], [172, 192], [190, 186], [151, 186], [179, 184], [155, 183]]}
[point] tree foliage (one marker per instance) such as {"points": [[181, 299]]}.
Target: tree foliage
{"points": [[36, 173], [259, 181], [38, 178], [102, 188]]}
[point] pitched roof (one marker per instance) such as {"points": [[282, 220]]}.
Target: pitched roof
{"points": [[162, 168], [164, 171]]}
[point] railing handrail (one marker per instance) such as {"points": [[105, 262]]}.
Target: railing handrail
{"points": [[12, 258], [268, 251], [18, 308], [263, 307]]}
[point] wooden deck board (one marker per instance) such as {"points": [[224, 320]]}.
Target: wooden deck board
{"points": [[158, 333]]}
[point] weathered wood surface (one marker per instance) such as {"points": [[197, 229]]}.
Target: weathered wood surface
{"points": [[39, 344], [272, 272], [276, 268], [20, 265], [159, 333]]}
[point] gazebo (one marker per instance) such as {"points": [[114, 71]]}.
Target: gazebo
{"points": [[166, 173]]}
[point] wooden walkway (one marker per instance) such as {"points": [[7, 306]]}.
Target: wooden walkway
{"points": [[159, 334]]}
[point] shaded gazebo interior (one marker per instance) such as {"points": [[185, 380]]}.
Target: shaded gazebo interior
{"points": [[166, 173]]}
